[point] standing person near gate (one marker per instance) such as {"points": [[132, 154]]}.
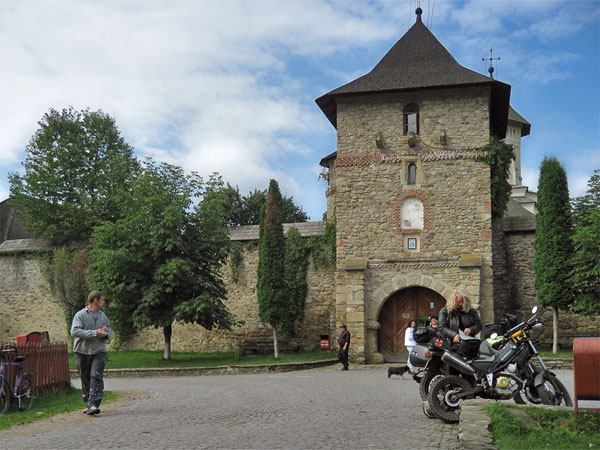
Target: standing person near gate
{"points": [[91, 330], [409, 343], [344, 346]]}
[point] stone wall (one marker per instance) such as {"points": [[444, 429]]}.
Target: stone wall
{"points": [[26, 303]]}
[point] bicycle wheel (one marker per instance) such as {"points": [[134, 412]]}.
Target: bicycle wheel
{"points": [[4, 398], [25, 392]]}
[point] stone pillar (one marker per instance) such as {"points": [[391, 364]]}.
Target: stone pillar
{"points": [[350, 304]]}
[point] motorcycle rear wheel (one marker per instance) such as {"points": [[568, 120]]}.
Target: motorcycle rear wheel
{"points": [[553, 392], [441, 400]]}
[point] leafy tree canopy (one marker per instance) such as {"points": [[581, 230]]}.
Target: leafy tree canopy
{"points": [[245, 209], [161, 262], [586, 257], [77, 170]]}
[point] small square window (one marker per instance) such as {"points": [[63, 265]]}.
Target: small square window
{"points": [[412, 243]]}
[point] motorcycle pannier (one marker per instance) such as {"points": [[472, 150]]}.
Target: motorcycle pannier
{"points": [[417, 355]]}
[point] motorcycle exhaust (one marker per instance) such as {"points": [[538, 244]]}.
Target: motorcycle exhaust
{"points": [[457, 363]]}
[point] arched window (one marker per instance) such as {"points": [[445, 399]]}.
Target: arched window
{"points": [[412, 173], [411, 119]]}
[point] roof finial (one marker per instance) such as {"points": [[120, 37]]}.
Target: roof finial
{"points": [[490, 59], [419, 11]]}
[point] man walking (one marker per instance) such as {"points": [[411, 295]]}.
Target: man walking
{"points": [[91, 330], [344, 346]]}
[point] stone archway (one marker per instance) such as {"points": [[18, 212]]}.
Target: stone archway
{"points": [[412, 303]]}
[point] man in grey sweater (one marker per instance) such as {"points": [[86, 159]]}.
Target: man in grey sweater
{"points": [[91, 331]]}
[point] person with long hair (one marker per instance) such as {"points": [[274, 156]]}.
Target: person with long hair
{"points": [[458, 314]]}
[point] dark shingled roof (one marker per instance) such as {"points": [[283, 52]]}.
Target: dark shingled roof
{"points": [[515, 116], [420, 61], [250, 232]]}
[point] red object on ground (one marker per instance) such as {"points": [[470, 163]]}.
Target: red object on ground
{"points": [[325, 342], [586, 369]]}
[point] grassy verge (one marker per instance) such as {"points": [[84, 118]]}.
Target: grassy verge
{"points": [[66, 400], [546, 352], [146, 359], [535, 428]]}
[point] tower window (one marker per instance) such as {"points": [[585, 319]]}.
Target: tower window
{"points": [[411, 119], [412, 173]]}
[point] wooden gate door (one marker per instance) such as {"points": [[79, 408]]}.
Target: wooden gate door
{"points": [[407, 304]]}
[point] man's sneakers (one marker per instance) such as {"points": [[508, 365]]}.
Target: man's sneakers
{"points": [[85, 411], [92, 410]]}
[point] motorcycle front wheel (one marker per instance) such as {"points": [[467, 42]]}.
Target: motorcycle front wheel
{"points": [[427, 381], [553, 392], [442, 397]]}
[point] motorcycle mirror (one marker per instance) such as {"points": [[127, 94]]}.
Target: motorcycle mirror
{"points": [[493, 336], [534, 310]]}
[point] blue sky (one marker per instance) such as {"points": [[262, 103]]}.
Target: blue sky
{"points": [[229, 86]]}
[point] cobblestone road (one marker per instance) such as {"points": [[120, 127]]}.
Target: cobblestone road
{"points": [[301, 410]]}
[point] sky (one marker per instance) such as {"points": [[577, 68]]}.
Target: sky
{"points": [[229, 86]]}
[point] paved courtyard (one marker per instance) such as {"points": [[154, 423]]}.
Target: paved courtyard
{"points": [[301, 410], [320, 408]]}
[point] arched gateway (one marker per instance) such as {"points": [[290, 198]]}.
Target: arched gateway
{"points": [[414, 302]]}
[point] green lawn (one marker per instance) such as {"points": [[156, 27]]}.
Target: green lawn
{"points": [[543, 428], [66, 400], [141, 359], [562, 354]]}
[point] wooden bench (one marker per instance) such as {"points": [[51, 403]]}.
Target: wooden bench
{"points": [[262, 346]]}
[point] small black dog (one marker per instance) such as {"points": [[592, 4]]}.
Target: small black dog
{"points": [[398, 371]]}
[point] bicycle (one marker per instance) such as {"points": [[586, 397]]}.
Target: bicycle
{"points": [[23, 390]]}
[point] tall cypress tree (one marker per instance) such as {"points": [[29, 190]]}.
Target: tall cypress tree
{"points": [[553, 245], [271, 290]]}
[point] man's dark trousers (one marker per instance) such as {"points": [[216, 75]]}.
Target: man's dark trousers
{"points": [[345, 359], [91, 372]]}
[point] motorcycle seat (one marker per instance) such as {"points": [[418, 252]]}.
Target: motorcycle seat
{"points": [[485, 349]]}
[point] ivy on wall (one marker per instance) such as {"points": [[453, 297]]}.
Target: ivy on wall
{"points": [[65, 270], [235, 258], [498, 156], [323, 248]]}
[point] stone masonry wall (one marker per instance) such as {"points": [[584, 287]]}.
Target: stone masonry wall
{"points": [[520, 253], [368, 185], [26, 303]]}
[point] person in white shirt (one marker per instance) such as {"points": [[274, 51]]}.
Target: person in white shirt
{"points": [[409, 343]]}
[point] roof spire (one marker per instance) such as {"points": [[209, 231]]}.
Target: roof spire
{"points": [[419, 11]]}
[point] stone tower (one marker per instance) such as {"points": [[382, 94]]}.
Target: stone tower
{"points": [[411, 203]]}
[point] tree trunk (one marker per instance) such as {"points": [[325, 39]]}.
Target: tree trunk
{"points": [[554, 329], [275, 342], [167, 331]]}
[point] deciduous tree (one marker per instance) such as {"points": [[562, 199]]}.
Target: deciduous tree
{"points": [[161, 262], [77, 170], [586, 257]]}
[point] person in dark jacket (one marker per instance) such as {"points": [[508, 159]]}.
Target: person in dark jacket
{"points": [[458, 315], [344, 346]]}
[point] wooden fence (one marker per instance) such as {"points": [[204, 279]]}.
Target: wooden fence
{"points": [[47, 361]]}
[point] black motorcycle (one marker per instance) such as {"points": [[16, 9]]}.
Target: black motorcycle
{"points": [[504, 374]]}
